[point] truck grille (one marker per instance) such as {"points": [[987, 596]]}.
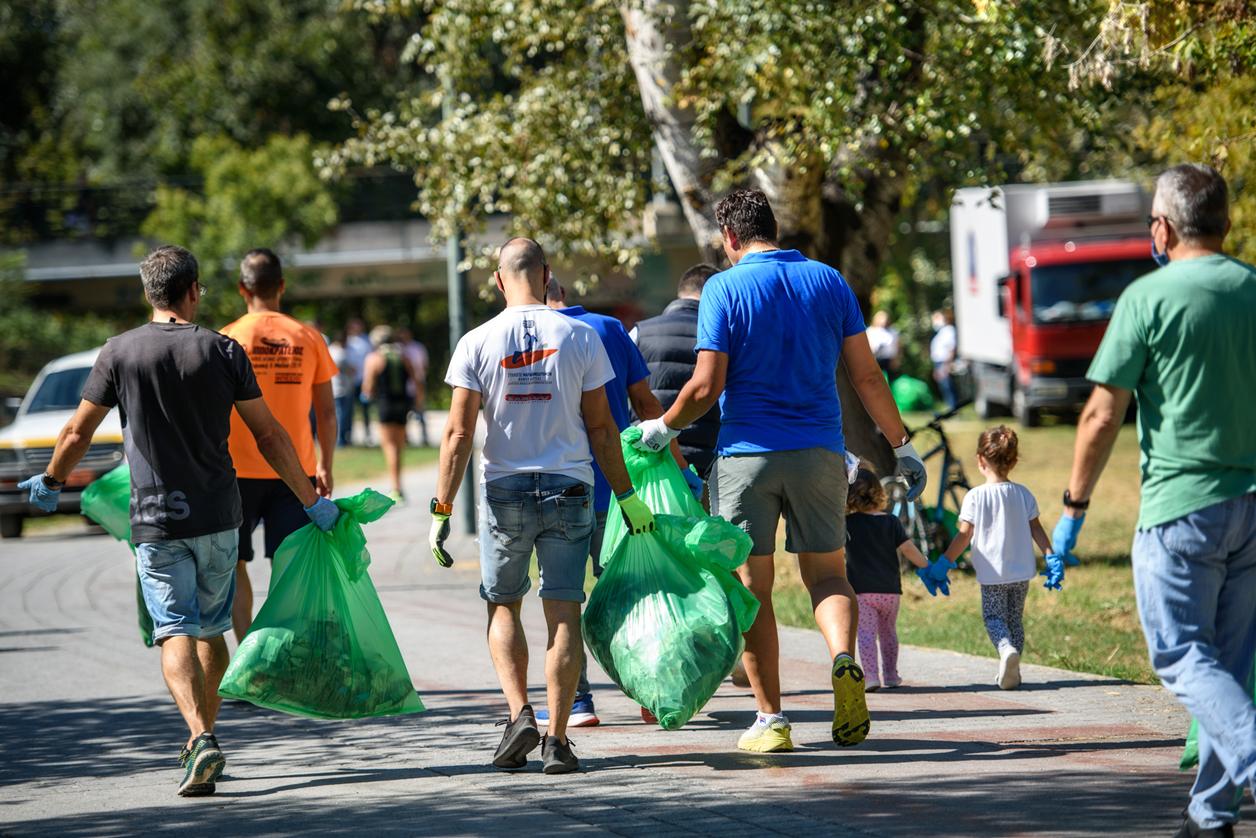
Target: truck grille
{"points": [[99, 457], [1074, 205]]}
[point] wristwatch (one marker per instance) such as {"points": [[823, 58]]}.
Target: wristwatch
{"points": [[52, 482], [439, 508], [1080, 505]]}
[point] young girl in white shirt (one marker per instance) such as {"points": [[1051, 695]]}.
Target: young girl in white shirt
{"points": [[1000, 520]]}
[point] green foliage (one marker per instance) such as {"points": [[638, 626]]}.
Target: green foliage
{"points": [[265, 197], [30, 338]]}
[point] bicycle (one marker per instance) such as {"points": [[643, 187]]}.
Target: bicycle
{"points": [[931, 528]]}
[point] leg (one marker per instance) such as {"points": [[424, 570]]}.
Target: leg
{"points": [[832, 598], [762, 655], [391, 439], [213, 657], [868, 638], [509, 650], [994, 614], [1016, 595], [242, 607], [887, 632], [253, 497], [217, 572], [595, 550], [563, 656], [181, 669]]}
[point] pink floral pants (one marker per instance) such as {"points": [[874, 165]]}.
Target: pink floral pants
{"points": [[877, 615]]}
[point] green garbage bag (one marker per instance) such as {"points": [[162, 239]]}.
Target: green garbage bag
{"points": [[321, 645], [666, 617], [911, 393], [658, 482], [107, 501], [1190, 754]]}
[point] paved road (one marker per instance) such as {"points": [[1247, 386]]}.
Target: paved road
{"points": [[88, 736]]}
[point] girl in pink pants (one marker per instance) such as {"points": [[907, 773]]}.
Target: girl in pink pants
{"points": [[874, 541]]}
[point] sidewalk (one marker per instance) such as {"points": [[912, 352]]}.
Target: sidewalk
{"points": [[89, 735]]}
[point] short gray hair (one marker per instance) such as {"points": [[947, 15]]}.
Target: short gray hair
{"points": [[1194, 199], [168, 272]]}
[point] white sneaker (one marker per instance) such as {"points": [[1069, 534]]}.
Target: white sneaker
{"points": [[1009, 669]]}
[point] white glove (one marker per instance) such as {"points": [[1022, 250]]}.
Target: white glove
{"points": [[655, 435], [852, 467]]}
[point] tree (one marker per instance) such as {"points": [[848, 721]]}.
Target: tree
{"points": [[840, 111], [268, 197]]}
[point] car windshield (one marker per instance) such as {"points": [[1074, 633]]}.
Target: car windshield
{"points": [[1083, 291], [60, 390]]}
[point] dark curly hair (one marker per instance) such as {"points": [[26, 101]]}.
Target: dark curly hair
{"points": [[748, 215], [1000, 447], [866, 493]]}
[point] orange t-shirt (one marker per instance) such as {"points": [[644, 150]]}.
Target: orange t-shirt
{"points": [[289, 358]]}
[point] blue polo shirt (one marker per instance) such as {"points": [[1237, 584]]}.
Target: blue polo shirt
{"points": [[781, 319], [629, 368]]}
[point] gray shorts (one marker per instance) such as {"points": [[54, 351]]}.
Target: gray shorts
{"points": [[808, 487]]}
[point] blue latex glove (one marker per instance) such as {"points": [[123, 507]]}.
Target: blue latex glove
{"points": [[1054, 572], [911, 468], [323, 513], [41, 496], [1064, 538], [695, 482], [930, 585], [940, 568]]}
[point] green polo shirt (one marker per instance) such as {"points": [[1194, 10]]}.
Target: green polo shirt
{"points": [[1183, 338]]}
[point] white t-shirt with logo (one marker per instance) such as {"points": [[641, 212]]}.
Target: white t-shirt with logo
{"points": [[531, 364], [1002, 546]]}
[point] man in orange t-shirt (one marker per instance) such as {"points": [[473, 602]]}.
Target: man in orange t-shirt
{"points": [[295, 370]]}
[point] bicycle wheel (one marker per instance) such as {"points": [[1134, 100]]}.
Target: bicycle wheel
{"points": [[910, 515]]}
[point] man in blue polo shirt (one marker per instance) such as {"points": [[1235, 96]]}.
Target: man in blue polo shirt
{"points": [[631, 386], [771, 330]]}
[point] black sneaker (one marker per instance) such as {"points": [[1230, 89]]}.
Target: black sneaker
{"points": [[203, 764], [1190, 829], [557, 757], [519, 740]]}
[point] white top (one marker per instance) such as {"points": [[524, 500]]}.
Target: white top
{"points": [[884, 342], [531, 364], [942, 347], [342, 381], [1002, 546]]}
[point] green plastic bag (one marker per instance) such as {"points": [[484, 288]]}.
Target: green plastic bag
{"points": [[1190, 754], [911, 393], [321, 645], [666, 618], [107, 501]]}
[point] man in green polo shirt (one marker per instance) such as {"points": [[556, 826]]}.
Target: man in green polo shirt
{"points": [[1183, 340]]}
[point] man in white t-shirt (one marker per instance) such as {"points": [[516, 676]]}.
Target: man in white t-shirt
{"points": [[883, 339], [540, 377], [942, 353]]}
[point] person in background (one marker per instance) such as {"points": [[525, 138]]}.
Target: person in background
{"points": [[295, 371], [942, 351], [884, 340], [342, 390], [630, 388], [874, 542], [1183, 339], [357, 347], [416, 354], [388, 381], [667, 344], [175, 385], [1000, 520]]}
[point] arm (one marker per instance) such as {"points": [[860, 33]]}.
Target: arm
{"points": [[912, 553], [961, 541], [75, 438], [646, 405], [1097, 429], [702, 390], [604, 439], [370, 369], [456, 442], [276, 446], [869, 383], [1040, 536], [325, 422]]}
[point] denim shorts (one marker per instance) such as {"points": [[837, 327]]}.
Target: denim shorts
{"points": [[549, 513], [189, 584]]}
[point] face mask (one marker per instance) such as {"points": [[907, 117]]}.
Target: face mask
{"points": [[1160, 258]]}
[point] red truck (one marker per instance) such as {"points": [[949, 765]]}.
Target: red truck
{"points": [[1037, 270]]}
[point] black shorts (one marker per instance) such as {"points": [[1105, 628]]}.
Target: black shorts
{"points": [[272, 504], [393, 412]]}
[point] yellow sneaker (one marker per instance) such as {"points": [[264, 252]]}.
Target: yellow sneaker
{"points": [[766, 738], [850, 710]]}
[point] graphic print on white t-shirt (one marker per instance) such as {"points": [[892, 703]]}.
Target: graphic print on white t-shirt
{"points": [[531, 365], [1002, 545]]}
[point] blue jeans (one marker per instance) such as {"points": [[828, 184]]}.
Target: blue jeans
{"points": [[548, 513], [1195, 578], [344, 419], [189, 584]]}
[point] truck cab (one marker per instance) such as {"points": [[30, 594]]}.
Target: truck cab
{"points": [[1037, 272]]}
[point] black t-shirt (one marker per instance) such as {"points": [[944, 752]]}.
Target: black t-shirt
{"points": [[175, 386], [872, 553]]}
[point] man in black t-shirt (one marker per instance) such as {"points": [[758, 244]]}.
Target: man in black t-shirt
{"points": [[175, 385]]}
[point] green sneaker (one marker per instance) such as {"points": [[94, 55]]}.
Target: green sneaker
{"points": [[203, 764]]}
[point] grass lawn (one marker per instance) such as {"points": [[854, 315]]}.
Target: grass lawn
{"points": [[1091, 625], [356, 464]]}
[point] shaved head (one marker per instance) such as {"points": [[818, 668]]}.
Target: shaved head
{"points": [[521, 258]]}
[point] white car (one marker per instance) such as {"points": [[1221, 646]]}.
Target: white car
{"points": [[26, 445]]}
